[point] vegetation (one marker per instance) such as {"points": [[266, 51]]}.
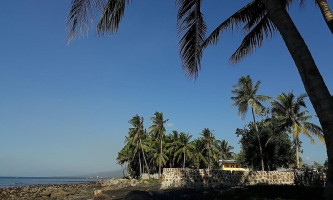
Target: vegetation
{"points": [[246, 95], [279, 152], [287, 115], [157, 129], [265, 145], [178, 150], [262, 18]]}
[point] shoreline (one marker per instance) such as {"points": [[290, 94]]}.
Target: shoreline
{"points": [[52, 191]]}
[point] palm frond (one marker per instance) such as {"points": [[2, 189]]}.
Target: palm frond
{"points": [[80, 17], [315, 130], [254, 39], [263, 97], [243, 15], [111, 16], [192, 29]]}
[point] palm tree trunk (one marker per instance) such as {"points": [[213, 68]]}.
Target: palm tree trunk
{"points": [[297, 153], [209, 159], [313, 82], [140, 164], [160, 163], [144, 157], [326, 12], [184, 160], [123, 168], [260, 148]]}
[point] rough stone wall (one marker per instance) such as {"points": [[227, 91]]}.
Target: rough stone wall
{"points": [[145, 176], [173, 177]]}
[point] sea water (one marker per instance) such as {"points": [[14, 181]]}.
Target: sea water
{"points": [[9, 182]]}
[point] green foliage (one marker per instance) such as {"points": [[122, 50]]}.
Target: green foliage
{"points": [[317, 165], [279, 152], [246, 95], [326, 163], [178, 150], [288, 116]]}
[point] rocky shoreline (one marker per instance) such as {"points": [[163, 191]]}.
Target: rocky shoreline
{"points": [[61, 191], [80, 191]]}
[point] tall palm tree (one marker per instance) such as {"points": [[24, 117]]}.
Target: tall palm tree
{"points": [[286, 111], [225, 149], [326, 12], [246, 95], [199, 158], [155, 158], [171, 143], [210, 144], [184, 147], [262, 19], [138, 134], [158, 129], [124, 156]]}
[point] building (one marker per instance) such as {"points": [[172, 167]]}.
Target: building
{"points": [[232, 165]]}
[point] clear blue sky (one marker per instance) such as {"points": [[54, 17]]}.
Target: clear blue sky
{"points": [[64, 108]]}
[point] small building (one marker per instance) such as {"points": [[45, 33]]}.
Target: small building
{"points": [[232, 165]]}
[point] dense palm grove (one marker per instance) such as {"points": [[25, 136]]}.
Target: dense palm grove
{"points": [[149, 151], [265, 145]]}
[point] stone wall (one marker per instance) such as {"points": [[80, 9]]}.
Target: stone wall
{"points": [[145, 176], [173, 177]]}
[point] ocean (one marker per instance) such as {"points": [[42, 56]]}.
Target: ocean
{"points": [[9, 182]]}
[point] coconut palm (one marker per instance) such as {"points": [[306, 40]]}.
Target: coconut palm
{"points": [[199, 158], [124, 155], [138, 134], [210, 144], [185, 148], [225, 149], [158, 129], [261, 18], [246, 95], [155, 157], [170, 140], [286, 111], [326, 12]]}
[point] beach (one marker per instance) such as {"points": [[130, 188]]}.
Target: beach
{"points": [[114, 189], [151, 190]]}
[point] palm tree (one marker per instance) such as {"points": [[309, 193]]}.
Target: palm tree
{"points": [[262, 19], [155, 158], [286, 111], [225, 149], [326, 12], [158, 129], [138, 134], [184, 147], [198, 158], [210, 144], [246, 95], [170, 141], [123, 157]]}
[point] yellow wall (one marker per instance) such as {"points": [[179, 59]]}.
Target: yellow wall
{"points": [[231, 165]]}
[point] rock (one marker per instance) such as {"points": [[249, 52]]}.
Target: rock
{"points": [[97, 192]]}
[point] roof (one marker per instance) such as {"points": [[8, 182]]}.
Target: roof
{"points": [[229, 161]]}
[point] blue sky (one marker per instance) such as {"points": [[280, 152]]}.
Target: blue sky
{"points": [[64, 108]]}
